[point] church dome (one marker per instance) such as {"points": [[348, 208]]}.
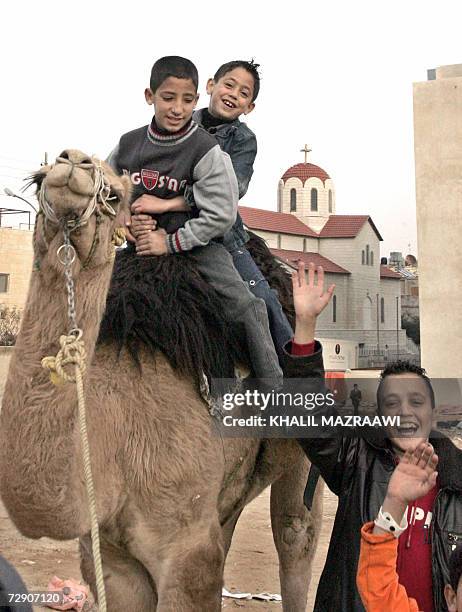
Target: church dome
{"points": [[305, 171]]}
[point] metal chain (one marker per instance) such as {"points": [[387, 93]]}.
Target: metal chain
{"points": [[66, 256]]}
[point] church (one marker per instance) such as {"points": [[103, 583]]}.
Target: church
{"points": [[364, 316]]}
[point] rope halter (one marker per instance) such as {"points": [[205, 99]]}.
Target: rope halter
{"points": [[101, 195]]}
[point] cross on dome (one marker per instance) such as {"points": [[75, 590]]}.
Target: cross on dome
{"points": [[306, 150]]}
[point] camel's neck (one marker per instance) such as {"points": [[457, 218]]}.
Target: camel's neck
{"points": [[39, 453], [46, 317]]}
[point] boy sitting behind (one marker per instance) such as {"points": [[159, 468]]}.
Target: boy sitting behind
{"points": [[164, 158], [232, 91]]}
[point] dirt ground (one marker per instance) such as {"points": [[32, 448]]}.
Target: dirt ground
{"points": [[251, 567]]}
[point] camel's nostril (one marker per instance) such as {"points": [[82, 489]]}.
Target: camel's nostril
{"points": [[64, 155], [86, 160]]}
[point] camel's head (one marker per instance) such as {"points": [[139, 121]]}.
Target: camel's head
{"points": [[85, 195]]}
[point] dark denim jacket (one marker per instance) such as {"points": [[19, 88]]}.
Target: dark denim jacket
{"points": [[240, 143]]}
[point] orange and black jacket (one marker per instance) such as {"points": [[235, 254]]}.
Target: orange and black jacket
{"points": [[377, 580]]}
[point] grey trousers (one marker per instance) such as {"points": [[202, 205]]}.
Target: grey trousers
{"points": [[240, 305]]}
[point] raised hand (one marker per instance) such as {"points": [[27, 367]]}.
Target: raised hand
{"points": [[310, 299], [415, 475]]}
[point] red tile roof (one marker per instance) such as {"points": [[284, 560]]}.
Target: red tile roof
{"points": [[291, 258], [385, 272], [304, 172], [346, 226], [271, 221]]}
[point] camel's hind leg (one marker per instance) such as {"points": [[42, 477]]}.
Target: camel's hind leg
{"points": [[295, 533], [128, 584]]}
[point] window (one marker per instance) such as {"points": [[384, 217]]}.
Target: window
{"points": [[372, 258], [314, 199], [279, 241], [304, 245], [382, 310], [334, 309], [293, 200], [4, 282], [330, 200], [367, 254], [363, 257]]}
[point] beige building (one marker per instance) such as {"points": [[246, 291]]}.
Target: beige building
{"points": [[15, 266], [366, 307], [438, 166]]}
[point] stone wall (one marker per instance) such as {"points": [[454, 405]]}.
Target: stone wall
{"points": [[438, 168], [15, 260]]}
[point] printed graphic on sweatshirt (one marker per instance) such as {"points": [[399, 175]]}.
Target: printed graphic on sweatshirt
{"points": [[152, 179], [421, 517]]}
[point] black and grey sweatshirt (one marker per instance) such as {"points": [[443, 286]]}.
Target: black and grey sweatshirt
{"points": [[163, 164]]}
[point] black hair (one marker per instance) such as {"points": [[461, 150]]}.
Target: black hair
{"points": [[455, 567], [173, 66], [251, 67], [404, 367]]}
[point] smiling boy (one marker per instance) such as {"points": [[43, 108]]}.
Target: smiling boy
{"points": [[166, 157], [358, 469]]}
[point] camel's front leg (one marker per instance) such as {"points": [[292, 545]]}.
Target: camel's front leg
{"points": [[191, 576], [128, 584], [295, 533]]}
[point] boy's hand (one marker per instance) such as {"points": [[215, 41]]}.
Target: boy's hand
{"points": [[310, 299], [152, 243], [415, 474], [140, 224], [414, 477], [147, 204], [154, 205]]}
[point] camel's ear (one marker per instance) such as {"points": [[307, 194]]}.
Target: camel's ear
{"points": [[37, 178]]}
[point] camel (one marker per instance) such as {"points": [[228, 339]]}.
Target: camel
{"points": [[169, 491]]}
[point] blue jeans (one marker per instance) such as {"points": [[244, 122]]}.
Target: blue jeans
{"points": [[280, 328], [242, 306]]}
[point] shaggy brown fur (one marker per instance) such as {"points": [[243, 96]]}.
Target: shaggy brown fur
{"points": [[169, 490]]}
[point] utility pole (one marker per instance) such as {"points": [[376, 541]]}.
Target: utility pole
{"points": [[378, 332], [397, 326]]}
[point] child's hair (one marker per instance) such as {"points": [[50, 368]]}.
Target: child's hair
{"points": [[455, 567], [404, 367], [173, 66], [251, 67]]}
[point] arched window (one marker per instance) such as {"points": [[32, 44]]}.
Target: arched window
{"points": [[293, 200], [372, 258], [330, 200], [382, 310], [363, 257], [367, 254], [314, 199], [334, 309]]}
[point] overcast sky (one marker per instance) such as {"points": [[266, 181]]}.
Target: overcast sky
{"points": [[336, 75]]}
